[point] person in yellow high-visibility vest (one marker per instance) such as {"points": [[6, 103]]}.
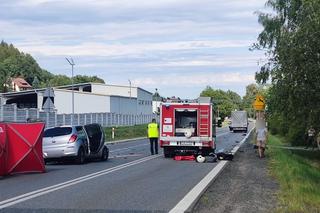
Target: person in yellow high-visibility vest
{"points": [[153, 135]]}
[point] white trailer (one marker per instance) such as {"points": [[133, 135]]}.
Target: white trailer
{"points": [[239, 121]]}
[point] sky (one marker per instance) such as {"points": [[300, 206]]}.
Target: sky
{"points": [[176, 46]]}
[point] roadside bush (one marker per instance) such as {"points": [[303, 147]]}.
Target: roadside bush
{"points": [[277, 125], [297, 135], [294, 131]]}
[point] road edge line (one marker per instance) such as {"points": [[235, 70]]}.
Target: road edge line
{"points": [[191, 198]]}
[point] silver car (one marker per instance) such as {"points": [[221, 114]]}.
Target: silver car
{"points": [[75, 142]]}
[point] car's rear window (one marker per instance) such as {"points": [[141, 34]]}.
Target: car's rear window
{"points": [[57, 131]]}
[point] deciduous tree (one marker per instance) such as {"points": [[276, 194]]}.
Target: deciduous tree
{"points": [[290, 38]]}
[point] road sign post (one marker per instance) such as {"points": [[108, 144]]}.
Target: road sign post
{"points": [[259, 105]]}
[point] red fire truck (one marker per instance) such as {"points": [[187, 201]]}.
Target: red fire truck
{"points": [[188, 127]]}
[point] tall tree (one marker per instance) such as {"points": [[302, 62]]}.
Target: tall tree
{"points": [[290, 38], [14, 63], [225, 102], [35, 83], [59, 80], [84, 79]]}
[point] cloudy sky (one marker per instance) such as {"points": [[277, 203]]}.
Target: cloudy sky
{"points": [[177, 46]]}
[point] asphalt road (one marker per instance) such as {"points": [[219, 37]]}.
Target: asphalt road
{"points": [[131, 180]]}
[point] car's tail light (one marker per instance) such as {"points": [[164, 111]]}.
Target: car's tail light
{"points": [[163, 143], [73, 138]]}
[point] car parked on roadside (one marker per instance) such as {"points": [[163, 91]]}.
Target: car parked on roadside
{"points": [[74, 142]]}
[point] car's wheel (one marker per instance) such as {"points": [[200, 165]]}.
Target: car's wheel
{"points": [[80, 159], [105, 154]]}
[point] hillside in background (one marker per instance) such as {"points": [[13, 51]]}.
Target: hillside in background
{"points": [[14, 63]]}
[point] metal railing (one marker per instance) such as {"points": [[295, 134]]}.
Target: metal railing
{"points": [[10, 113]]}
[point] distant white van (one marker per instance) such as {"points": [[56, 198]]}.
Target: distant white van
{"points": [[239, 121]]}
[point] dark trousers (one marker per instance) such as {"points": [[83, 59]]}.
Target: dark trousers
{"points": [[153, 145]]}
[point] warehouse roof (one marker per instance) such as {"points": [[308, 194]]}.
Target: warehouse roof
{"points": [[68, 87]]}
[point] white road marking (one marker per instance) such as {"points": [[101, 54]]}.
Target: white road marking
{"points": [[122, 149], [46, 190], [225, 133], [30, 195], [124, 156], [194, 194], [235, 149], [190, 198]]}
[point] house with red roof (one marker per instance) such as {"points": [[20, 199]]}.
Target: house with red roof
{"points": [[19, 84]]}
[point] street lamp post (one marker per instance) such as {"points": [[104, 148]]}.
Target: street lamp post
{"points": [[130, 87], [71, 62], [130, 103]]}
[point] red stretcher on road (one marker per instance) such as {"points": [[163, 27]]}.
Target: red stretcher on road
{"points": [[21, 148]]}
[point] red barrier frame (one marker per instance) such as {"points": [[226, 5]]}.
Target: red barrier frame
{"points": [[3, 149], [24, 148]]}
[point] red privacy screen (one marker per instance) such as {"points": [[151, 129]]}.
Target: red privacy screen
{"points": [[3, 148], [23, 149]]}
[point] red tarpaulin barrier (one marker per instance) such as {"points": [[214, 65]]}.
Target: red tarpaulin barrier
{"points": [[187, 157], [24, 148], [3, 148]]}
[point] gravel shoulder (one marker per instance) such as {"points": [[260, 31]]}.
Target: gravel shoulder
{"points": [[243, 186]]}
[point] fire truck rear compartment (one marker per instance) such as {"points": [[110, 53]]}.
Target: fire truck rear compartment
{"points": [[185, 122]]}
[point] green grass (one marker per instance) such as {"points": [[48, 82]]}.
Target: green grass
{"points": [[298, 173], [126, 132]]}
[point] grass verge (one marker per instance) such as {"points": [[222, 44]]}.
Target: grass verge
{"points": [[126, 132], [298, 173]]}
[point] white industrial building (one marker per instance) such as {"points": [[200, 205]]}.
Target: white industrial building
{"points": [[88, 98]]}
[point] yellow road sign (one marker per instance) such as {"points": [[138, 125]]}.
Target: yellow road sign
{"points": [[259, 103]]}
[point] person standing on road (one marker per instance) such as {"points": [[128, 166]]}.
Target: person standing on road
{"points": [[311, 135], [153, 134], [262, 140]]}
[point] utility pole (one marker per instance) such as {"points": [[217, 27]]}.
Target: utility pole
{"points": [[130, 87], [71, 62]]}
